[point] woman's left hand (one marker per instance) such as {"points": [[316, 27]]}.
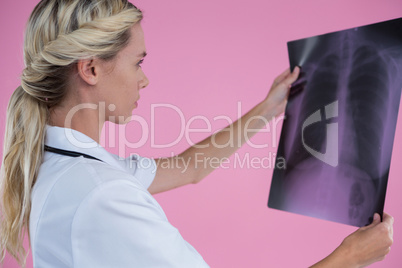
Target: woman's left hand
{"points": [[278, 95]]}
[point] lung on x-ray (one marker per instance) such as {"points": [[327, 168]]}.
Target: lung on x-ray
{"points": [[339, 127]]}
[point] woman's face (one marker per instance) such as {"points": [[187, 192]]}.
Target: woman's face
{"points": [[121, 84]]}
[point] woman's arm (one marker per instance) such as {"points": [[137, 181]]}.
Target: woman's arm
{"points": [[367, 245], [199, 160]]}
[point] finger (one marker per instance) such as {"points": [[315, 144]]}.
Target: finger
{"points": [[375, 222], [280, 77], [392, 224], [376, 219], [291, 77], [388, 219], [297, 88]]}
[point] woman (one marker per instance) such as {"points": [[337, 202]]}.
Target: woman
{"points": [[83, 206]]}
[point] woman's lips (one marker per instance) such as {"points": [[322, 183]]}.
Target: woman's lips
{"points": [[136, 103]]}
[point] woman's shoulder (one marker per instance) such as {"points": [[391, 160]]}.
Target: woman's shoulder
{"points": [[70, 176], [63, 185]]}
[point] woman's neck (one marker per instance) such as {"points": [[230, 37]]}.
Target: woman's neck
{"points": [[84, 117]]}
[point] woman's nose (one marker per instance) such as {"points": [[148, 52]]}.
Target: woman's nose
{"points": [[144, 81]]}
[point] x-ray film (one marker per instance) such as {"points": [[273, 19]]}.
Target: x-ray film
{"points": [[337, 137]]}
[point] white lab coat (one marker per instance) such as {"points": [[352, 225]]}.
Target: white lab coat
{"points": [[87, 213]]}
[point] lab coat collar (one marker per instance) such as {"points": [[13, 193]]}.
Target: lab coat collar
{"points": [[73, 140]]}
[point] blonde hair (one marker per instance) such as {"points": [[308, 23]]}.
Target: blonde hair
{"points": [[58, 34]]}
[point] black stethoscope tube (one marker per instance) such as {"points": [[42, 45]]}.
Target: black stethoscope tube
{"points": [[68, 153]]}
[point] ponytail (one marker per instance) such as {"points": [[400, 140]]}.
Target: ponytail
{"points": [[58, 34], [22, 156]]}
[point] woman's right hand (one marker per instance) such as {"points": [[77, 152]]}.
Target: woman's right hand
{"points": [[371, 243], [367, 245]]}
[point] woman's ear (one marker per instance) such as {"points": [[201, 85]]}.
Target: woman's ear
{"points": [[88, 71]]}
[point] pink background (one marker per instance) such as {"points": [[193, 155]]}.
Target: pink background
{"points": [[205, 57]]}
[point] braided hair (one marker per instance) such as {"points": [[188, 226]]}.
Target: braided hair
{"points": [[58, 34]]}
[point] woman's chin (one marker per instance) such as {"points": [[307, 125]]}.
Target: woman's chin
{"points": [[121, 120]]}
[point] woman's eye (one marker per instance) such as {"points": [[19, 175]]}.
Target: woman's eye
{"points": [[140, 62]]}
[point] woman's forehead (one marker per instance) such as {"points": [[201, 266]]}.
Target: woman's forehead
{"points": [[136, 45]]}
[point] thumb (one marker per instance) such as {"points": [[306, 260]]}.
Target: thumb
{"points": [[376, 220]]}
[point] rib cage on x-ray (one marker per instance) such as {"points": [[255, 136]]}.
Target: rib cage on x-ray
{"points": [[356, 75]]}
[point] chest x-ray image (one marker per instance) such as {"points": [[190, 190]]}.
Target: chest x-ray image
{"points": [[338, 133]]}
